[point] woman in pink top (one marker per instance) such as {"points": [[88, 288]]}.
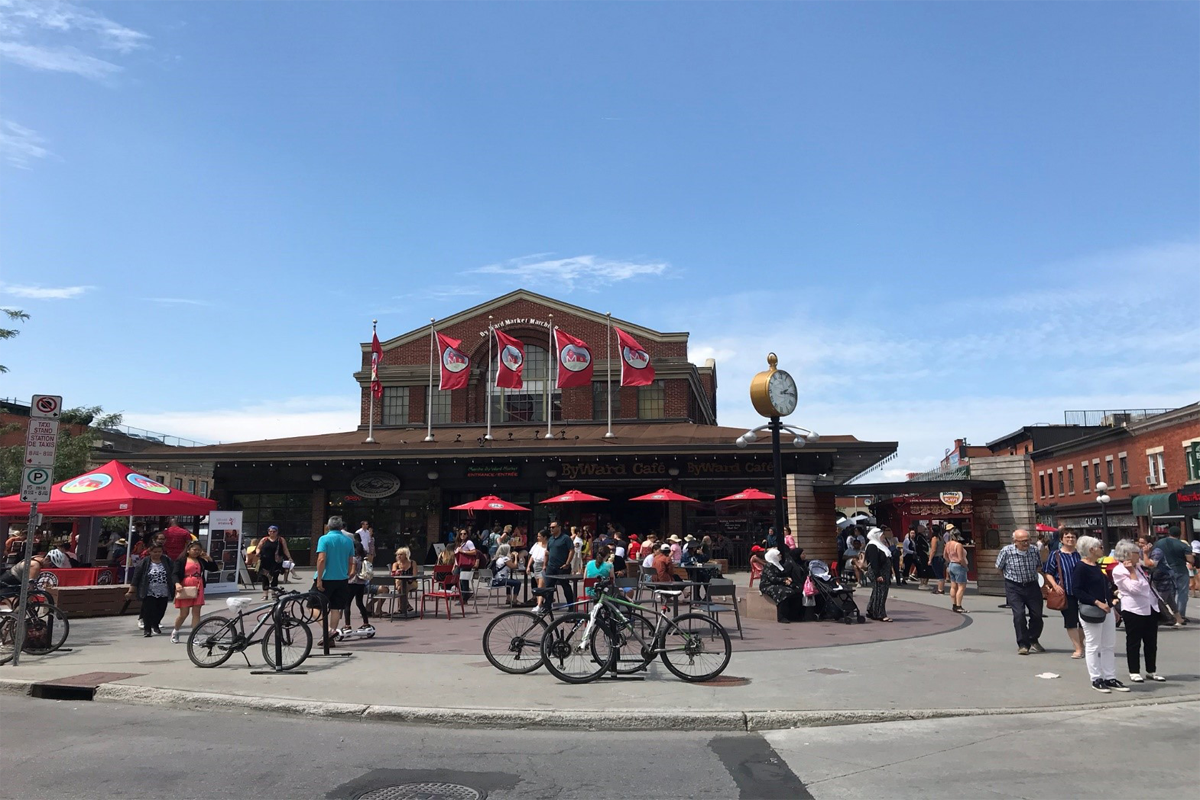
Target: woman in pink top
{"points": [[1139, 611]]}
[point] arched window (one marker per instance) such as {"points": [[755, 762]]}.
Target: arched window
{"points": [[527, 404]]}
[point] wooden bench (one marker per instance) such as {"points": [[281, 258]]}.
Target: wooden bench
{"points": [[93, 601]]}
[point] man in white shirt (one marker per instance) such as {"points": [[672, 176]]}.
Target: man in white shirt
{"points": [[365, 538]]}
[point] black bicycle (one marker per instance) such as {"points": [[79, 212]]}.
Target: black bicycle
{"points": [[46, 626], [217, 638]]}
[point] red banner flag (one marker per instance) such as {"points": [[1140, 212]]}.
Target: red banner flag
{"points": [[455, 363], [376, 358], [510, 362], [574, 360], [636, 369]]}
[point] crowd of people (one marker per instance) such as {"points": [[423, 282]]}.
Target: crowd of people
{"points": [[1139, 585]]}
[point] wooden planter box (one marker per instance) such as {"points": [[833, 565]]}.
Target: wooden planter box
{"points": [[93, 601]]}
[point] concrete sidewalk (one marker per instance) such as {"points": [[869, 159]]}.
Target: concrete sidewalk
{"points": [[970, 670]]}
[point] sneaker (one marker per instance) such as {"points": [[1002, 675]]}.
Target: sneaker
{"points": [[1177, 625], [1116, 685], [1135, 678], [141, 623], [146, 634], [1154, 676], [157, 631], [1022, 651], [1036, 648], [1099, 686], [175, 637]]}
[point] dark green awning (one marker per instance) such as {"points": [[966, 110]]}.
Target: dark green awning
{"points": [[1163, 504]]}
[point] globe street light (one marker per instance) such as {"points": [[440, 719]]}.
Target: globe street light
{"points": [[1103, 499]]}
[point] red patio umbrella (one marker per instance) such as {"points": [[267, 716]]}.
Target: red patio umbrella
{"points": [[663, 495], [747, 494], [1042, 528], [489, 503], [574, 496]]}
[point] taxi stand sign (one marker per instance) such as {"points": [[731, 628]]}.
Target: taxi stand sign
{"points": [[41, 442]]}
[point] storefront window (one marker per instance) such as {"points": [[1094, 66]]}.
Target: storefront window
{"points": [[290, 511], [395, 405], [398, 521], [527, 404]]}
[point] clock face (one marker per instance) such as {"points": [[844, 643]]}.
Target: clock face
{"points": [[781, 391]]}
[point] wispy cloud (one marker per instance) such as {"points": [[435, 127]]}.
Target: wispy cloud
{"points": [[566, 274], [179, 301], [21, 146], [56, 37], [45, 292], [296, 416], [442, 293]]}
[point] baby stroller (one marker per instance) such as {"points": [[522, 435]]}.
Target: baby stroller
{"points": [[834, 601]]}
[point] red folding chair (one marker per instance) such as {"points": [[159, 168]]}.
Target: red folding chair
{"points": [[445, 586]]}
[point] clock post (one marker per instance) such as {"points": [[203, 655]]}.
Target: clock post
{"points": [[775, 426], [773, 394]]}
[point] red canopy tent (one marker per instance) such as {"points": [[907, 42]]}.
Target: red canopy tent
{"points": [[113, 490]]}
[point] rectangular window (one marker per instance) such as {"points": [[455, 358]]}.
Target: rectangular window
{"points": [[1156, 469], [204, 488], [179, 484], [528, 404], [160, 478], [395, 405], [1087, 477], [600, 401], [652, 401], [1191, 456], [1108, 466], [1096, 469], [191, 487], [1050, 475], [1042, 483], [441, 407], [1071, 479], [1062, 486], [1124, 469]]}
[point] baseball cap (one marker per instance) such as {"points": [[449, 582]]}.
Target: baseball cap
{"points": [[273, 528]]}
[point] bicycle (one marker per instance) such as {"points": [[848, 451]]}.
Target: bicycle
{"points": [[217, 638], [512, 641], [46, 627], [579, 648]]}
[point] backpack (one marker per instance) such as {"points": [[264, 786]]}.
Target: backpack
{"points": [[368, 570]]}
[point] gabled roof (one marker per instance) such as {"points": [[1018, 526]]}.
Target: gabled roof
{"points": [[524, 294]]}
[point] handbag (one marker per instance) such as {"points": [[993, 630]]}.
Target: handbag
{"points": [[1089, 613], [187, 592], [810, 588], [368, 570], [1056, 598]]}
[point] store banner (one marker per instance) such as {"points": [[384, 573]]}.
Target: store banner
{"points": [[574, 360], [454, 363], [636, 369], [511, 361], [224, 546]]}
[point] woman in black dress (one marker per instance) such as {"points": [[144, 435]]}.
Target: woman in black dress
{"points": [[780, 588], [879, 575]]}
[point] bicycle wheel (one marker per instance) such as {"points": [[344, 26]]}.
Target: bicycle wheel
{"points": [[570, 656], [295, 645], [696, 647], [634, 645], [212, 642], [8, 637], [302, 608], [513, 642], [46, 628]]}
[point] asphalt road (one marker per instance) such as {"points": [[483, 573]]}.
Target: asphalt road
{"points": [[62, 750]]}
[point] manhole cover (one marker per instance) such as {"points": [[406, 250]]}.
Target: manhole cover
{"points": [[727, 680], [422, 791], [829, 671]]}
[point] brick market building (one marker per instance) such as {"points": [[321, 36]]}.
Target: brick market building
{"points": [[665, 435]]}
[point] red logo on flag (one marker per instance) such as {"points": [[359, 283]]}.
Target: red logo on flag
{"points": [[376, 358], [454, 363], [510, 361], [636, 369], [574, 360]]}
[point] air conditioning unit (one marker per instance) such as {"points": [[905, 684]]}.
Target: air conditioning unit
{"points": [[1149, 480]]}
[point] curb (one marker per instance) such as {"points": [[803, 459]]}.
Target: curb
{"points": [[667, 719]]}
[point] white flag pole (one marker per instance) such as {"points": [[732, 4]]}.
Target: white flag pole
{"points": [[371, 388], [487, 394], [608, 379], [551, 358], [429, 400]]}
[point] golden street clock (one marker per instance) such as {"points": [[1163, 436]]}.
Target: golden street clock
{"points": [[773, 392]]}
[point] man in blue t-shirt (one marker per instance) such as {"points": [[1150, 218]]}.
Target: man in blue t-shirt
{"points": [[335, 567]]}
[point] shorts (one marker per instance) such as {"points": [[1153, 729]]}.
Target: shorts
{"points": [[1071, 613], [958, 573], [337, 593]]}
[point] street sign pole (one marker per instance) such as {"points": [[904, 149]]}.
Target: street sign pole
{"points": [[19, 633]]}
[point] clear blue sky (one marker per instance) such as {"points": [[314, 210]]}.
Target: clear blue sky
{"points": [[949, 219]]}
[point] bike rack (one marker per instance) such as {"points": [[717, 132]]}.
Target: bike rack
{"points": [[278, 669]]}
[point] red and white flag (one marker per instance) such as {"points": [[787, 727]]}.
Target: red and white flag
{"points": [[376, 358], [636, 369], [574, 360], [455, 363], [510, 362]]}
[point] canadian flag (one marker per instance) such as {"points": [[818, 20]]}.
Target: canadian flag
{"points": [[510, 362], [376, 357], [574, 360], [455, 363], [636, 369]]}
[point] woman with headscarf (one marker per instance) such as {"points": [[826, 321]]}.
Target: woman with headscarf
{"points": [[780, 588], [879, 574]]}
